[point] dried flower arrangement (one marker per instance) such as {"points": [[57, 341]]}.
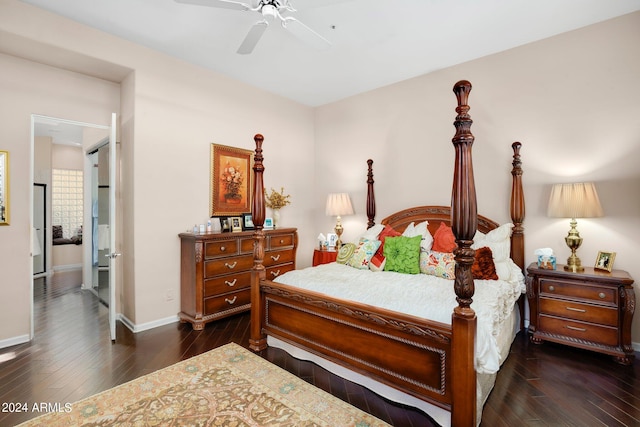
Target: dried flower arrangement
{"points": [[276, 200]]}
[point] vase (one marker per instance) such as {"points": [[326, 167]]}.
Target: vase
{"points": [[276, 218]]}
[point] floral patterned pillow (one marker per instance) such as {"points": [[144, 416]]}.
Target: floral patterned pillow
{"points": [[402, 254], [439, 264], [363, 253]]}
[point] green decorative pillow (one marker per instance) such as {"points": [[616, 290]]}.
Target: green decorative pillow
{"points": [[363, 253], [402, 254], [345, 252]]}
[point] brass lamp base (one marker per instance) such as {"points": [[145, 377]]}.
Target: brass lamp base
{"points": [[573, 241], [338, 229]]}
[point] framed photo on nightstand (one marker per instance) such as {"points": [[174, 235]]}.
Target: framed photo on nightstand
{"points": [[605, 261]]}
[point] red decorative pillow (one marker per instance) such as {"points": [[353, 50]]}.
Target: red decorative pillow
{"points": [[483, 267], [387, 232], [443, 239]]}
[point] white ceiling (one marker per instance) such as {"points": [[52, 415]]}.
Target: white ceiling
{"points": [[374, 42]]}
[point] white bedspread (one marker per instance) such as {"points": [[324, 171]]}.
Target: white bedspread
{"points": [[419, 295]]}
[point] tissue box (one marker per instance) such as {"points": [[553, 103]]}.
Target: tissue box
{"points": [[547, 262]]}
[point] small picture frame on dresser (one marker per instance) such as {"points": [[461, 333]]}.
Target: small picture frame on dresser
{"points": [[225, 225], [247, 222], [605, 261], [268, 224], [236, 223]]}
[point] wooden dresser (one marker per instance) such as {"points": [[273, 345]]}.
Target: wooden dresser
{"points": [[591, 310], [215, 271]]}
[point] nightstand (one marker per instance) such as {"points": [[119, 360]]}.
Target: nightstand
{"points": [[592, 310], [324, 256]]}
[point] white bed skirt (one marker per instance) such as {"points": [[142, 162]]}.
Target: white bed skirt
{"points": [[485, 382]]}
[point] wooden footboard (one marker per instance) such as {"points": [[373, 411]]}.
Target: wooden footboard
{"points": [[401, 351], [429, 360]]}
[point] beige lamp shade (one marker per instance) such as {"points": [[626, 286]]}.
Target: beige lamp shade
{"points": [[339, 204], [577, 200]]}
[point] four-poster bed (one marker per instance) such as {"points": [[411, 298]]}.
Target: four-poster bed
{"points": [[433, 361]]}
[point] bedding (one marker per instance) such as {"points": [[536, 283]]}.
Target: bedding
{"points": [[420, 295]]}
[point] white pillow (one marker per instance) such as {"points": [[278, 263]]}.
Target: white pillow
{"points": [[499, 241], [372, 233], [421, 229]]}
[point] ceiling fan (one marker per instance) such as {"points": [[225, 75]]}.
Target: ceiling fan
{"points": [[271, 10]]}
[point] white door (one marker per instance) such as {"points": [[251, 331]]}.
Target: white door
{"points": [[113, 256]]}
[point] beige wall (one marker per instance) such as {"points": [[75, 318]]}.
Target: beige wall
{"points": [[564, 98], [572, 100]]}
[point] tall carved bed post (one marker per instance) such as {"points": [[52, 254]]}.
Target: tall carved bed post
{"points": [[371, 197], [517, 208], [257, 340], [464, 222]]}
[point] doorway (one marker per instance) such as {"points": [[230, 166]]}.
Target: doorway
{"points": [[57, 138]]}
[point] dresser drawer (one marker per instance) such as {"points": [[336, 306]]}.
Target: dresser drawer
{"points": [[223, 284], [220, 248], [277, 257], [228, 301], [577, 311], [579, 330], [602, 295], [227, 266], [281, 241], [279, 270]]}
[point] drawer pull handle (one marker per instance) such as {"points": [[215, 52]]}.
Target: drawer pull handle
{"points": [[223, 248], [228, 283], [275, 273], [275, 258], [601, 295], [573, 328], [579, 310], [281, 241], [231, 301], [231, 266], [552, 288]]}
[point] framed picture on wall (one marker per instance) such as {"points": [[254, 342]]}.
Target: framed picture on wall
{"points": [[231, 176]]}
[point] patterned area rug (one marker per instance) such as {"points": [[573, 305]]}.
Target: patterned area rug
{"points": [[227, 386]]}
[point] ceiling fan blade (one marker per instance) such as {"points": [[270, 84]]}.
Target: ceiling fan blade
{"points": [[223, 4], [305, 33], [251, 40]]}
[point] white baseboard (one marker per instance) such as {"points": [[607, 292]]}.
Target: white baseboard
{"points": [[20, 339], [146, 326]]}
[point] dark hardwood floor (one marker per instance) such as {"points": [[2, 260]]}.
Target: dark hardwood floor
{"points": [[72, 357]]}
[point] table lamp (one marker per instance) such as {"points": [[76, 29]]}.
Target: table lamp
{"points": [[339, 204], [577, 200]]}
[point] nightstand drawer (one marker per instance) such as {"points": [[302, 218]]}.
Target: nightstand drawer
{"points": [[578, 330], [602, 295], [577, 311]]}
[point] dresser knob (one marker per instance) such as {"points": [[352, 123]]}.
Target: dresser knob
{"points": [[275, 273], [275, 258], [231, 266], [601, 295], [231, 301], [228, 283], [223, 248], [552, 288], [281, 241]]}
